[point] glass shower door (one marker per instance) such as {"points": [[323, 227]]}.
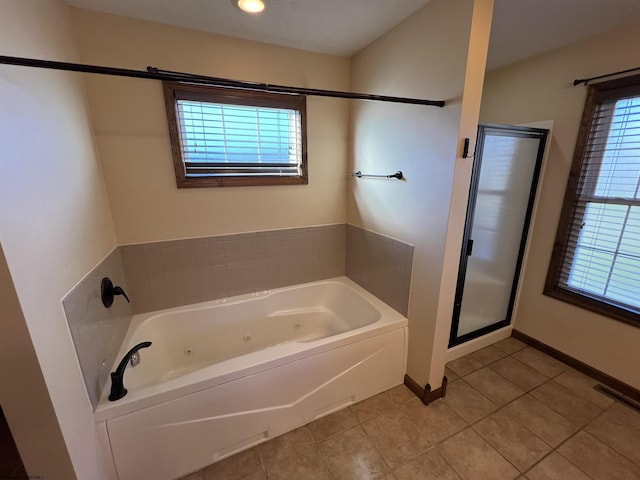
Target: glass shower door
{"points": [[505, 175]]}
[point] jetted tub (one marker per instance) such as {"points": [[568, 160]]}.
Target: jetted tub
{"points": [[225, 375]]}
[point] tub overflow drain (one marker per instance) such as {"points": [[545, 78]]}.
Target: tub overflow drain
{"points": [[188, 350], [246, 338]]}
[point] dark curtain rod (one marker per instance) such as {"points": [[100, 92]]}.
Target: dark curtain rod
{"points": [[586, 81], [153, 73]]}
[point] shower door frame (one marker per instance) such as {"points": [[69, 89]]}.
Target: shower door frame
{"points": [[467, 241]]}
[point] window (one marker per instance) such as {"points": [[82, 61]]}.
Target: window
{"points": [[233, 137], [596, 258]]}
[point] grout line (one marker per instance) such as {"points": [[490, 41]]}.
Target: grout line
{"points": [[399, 407], [358, 424], [467, 426], [472, 425], [323, 461], [403, 405], [527, 392], [447, 461], [633, 462], [580, 428], [262, 464], [556, 449]]}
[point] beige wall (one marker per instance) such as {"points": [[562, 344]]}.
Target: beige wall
{"points": [[539, 89], [423, 57], [132, 136], [55, 225]]}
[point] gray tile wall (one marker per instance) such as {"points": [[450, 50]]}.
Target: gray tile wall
{"points": [[380, 264], [97, 331], [180, 272]]}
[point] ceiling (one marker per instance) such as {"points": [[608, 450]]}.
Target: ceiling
{"points": [[521, 28], [338, 27]]}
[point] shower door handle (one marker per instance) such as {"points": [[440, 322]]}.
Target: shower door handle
{"points": [[469, 247]]}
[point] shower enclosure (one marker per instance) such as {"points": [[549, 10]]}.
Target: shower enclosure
{"points": [[505, 175]]}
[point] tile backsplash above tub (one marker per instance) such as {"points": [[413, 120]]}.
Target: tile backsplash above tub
{"points": [[180, 272], [380, 264], [98, 331]]}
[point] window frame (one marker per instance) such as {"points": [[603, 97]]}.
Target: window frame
{"points": [[597, 94], [174, 91]]}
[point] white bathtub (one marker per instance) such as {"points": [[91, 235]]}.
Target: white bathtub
{"points": [[225, 375]]}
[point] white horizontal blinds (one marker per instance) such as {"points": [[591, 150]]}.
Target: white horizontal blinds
{"points": [[222, 139], [603, 252]]}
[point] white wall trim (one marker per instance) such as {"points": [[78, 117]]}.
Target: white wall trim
{"points": [[478, 343]]}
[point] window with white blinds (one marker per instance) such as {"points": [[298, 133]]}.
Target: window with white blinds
{"points": [[226, 137], [597, 256]]}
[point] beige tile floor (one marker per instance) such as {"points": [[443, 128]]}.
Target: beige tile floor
{"points": [[510, 412]]}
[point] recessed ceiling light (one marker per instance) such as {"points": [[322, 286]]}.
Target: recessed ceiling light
{"points": [[250, 6]]}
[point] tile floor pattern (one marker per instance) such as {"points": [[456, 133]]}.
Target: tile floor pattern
{"points": [[511, 412]]}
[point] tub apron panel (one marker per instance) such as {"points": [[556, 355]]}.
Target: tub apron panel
{"points": [[180, 436]]}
